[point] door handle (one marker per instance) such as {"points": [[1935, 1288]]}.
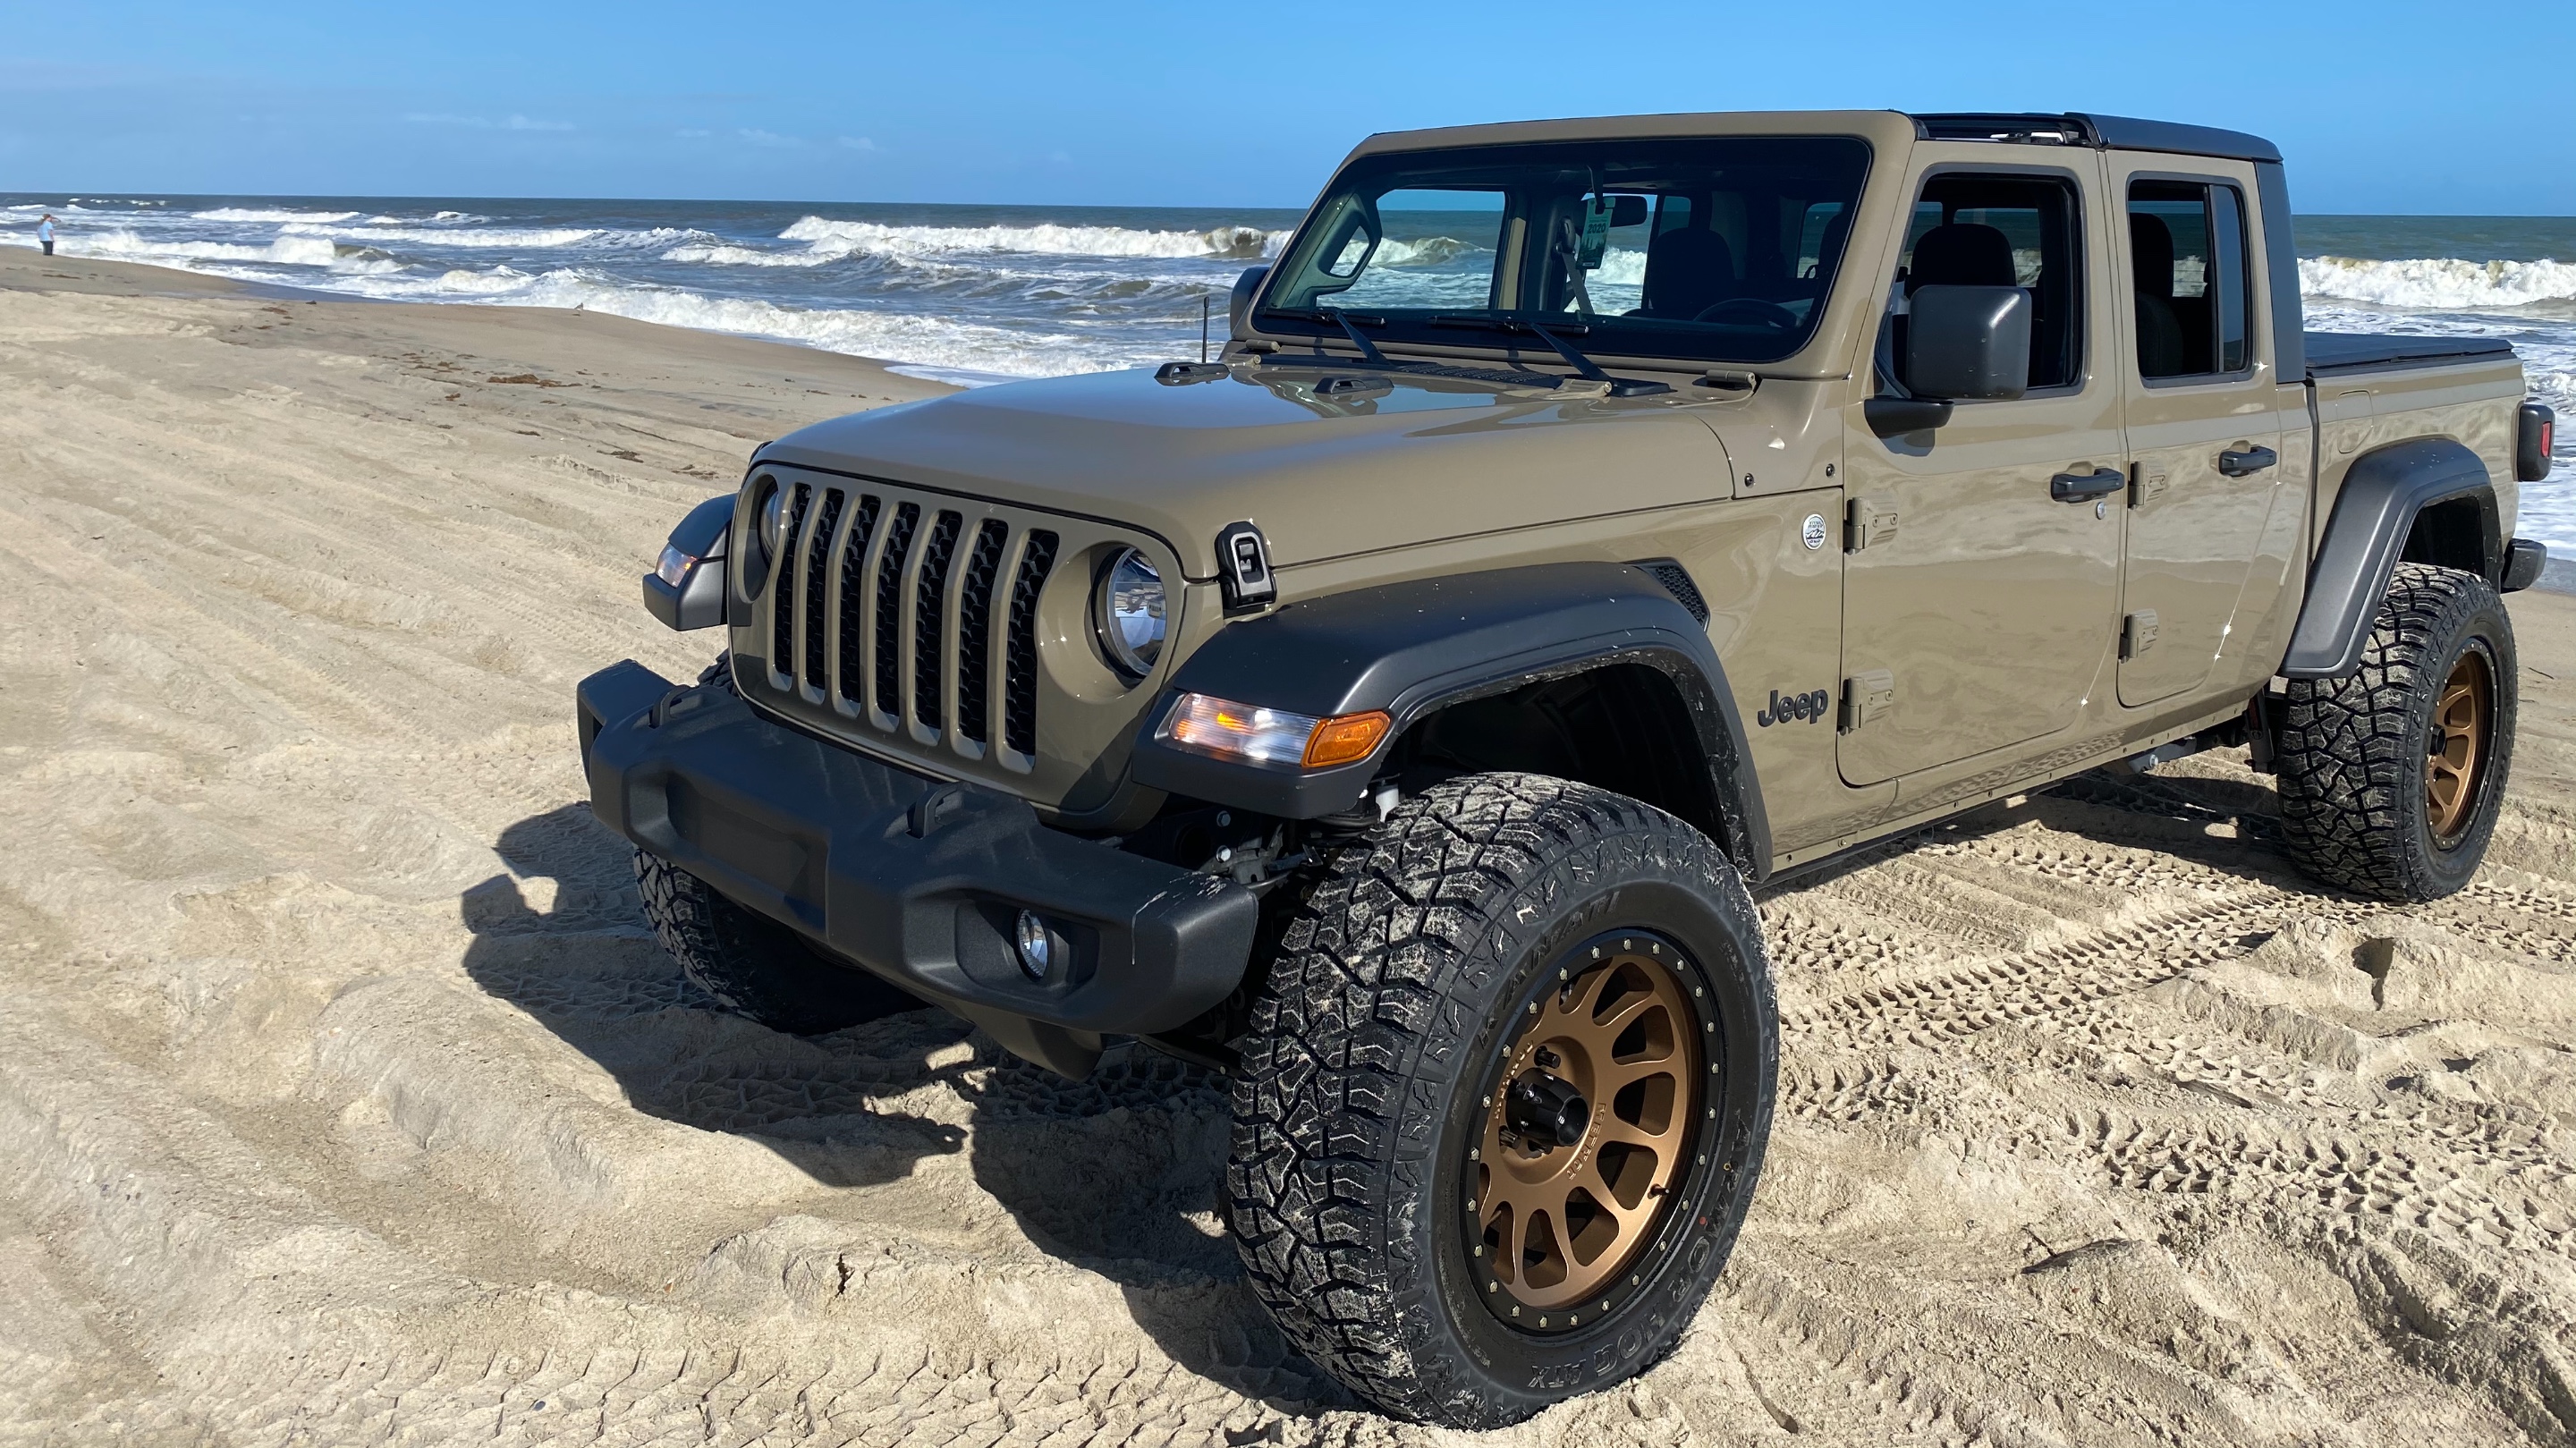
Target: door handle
{"points": [[2247, 463], [2085, 487]]}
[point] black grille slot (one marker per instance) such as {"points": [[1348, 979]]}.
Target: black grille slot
{"points": [[889, 607], [854, 597], [927, 597], [818, 572], [782, 605], [975, 631], [1020, 656]]}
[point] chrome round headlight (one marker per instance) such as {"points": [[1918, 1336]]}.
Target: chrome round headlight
{"points": [[1130, 613], [773, 522]]}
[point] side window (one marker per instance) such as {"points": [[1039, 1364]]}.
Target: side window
{"points": [[2187, 261], [2001, 231]]}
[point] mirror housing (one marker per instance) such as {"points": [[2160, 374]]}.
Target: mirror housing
{"points": [[1968, 344], [1238, 307]]}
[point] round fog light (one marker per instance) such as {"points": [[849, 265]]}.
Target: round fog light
{"points": [[1037, 948]]}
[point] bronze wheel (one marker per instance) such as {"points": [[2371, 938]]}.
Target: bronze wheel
{"points": [[1456, 1037], [1586, 1126], [2457, 748], [2392, 776]]}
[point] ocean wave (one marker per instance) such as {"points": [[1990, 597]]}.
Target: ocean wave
{"points": [[495, 238], [1046, 239], [1421, 251], [255, 213], [1621, 267], [287, 251], [2438, 283], [709, 254]]}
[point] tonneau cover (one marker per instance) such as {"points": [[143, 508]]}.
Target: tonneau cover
{"points": [[2330, 353]]}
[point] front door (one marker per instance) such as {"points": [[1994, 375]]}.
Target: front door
{"points": [[1979, 608], [2204, 432]]}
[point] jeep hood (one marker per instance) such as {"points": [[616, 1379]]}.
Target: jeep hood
{"points": [[1324, 473]]}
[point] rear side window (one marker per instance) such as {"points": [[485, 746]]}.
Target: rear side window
{"points": [[2187, 260]]}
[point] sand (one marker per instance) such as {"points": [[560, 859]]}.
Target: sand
{"points": [[345, 1099]]}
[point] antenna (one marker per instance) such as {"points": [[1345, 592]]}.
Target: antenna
{"points": [[1203, 326]]}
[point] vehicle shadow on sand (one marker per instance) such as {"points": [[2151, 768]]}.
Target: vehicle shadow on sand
{"points": [[1120, 1175], [2231, 826]]}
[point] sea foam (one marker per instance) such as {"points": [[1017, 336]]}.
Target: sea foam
{"points": [[255, 213], [1247, 242], [2439, 283]]}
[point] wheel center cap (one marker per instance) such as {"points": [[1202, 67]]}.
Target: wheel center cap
{"points": [[1547, 1110]]}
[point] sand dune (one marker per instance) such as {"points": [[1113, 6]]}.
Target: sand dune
{"points": [[345, 1099]]}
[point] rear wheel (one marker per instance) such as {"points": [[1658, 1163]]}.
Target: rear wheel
{"points": [[1503, 1098], [2391, 778]]}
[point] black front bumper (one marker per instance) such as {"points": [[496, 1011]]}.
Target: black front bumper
{"points": [[916, 879]]}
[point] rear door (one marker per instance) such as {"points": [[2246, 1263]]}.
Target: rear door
{"points": [[1978, 608], [2204, 429]]}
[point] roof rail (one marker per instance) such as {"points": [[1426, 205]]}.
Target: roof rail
{"points": [[2121, 133]]}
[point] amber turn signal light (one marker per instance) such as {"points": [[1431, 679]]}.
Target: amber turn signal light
{"points": [[1346, 738]]}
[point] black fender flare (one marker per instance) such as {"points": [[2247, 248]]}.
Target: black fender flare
{"points": [[1412, 648], [2382, 494]]}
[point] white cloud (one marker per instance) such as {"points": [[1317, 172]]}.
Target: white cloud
{"points": [[485, 123], [856, 143], [759, 137]]}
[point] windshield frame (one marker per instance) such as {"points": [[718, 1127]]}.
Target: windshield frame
{"points": [[1613, 338]]}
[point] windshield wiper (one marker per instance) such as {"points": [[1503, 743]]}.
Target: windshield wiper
{"points": [[1337, 317], [1583, 366], [1554, 335]]}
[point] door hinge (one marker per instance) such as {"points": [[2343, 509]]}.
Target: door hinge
{"points": [[1866, 696], [2137, 633], [2145, 484], [1867, 521]]}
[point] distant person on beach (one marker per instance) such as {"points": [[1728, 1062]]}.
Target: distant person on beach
{"points": [[45, 233]]}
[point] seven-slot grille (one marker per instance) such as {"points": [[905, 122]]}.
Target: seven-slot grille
{"points": [[884, 608]]}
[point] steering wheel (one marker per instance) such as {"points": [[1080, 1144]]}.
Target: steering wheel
{"points": [[1769, 314]]}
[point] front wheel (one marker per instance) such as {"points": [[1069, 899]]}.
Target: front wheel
{"points": [[2391, 778], [754, 966], [1503, 1099]]}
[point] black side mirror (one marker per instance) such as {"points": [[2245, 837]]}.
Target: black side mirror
{"points": [[1968, 344], [1238, 307]]}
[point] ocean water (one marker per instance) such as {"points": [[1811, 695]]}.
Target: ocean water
{"points": [[983, 293]]}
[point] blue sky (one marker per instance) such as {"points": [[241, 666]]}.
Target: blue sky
{"points": [[2379, 108]]}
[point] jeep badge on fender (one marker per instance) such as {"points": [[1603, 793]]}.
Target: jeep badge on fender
{"points": [[1809, 706]]}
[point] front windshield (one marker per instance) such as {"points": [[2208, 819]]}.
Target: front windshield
{"points": [[1715, 249]]}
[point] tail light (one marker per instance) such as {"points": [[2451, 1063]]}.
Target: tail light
{"points": [[2533, 442]]}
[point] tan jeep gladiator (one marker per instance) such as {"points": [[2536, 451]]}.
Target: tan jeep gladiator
{"points": [[1586, 521]]}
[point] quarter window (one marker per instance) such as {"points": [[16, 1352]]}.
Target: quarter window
{"points": [[2187, 254]]}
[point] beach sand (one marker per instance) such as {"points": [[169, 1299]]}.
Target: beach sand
{"points": [[345, 1099]]}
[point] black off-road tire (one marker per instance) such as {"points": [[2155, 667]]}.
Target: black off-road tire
{"points": [[2353, 751], [754, 966], [1394, 995]]}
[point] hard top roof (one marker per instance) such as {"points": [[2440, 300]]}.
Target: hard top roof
{"points": [[2073, 129], [2110, 133]]}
